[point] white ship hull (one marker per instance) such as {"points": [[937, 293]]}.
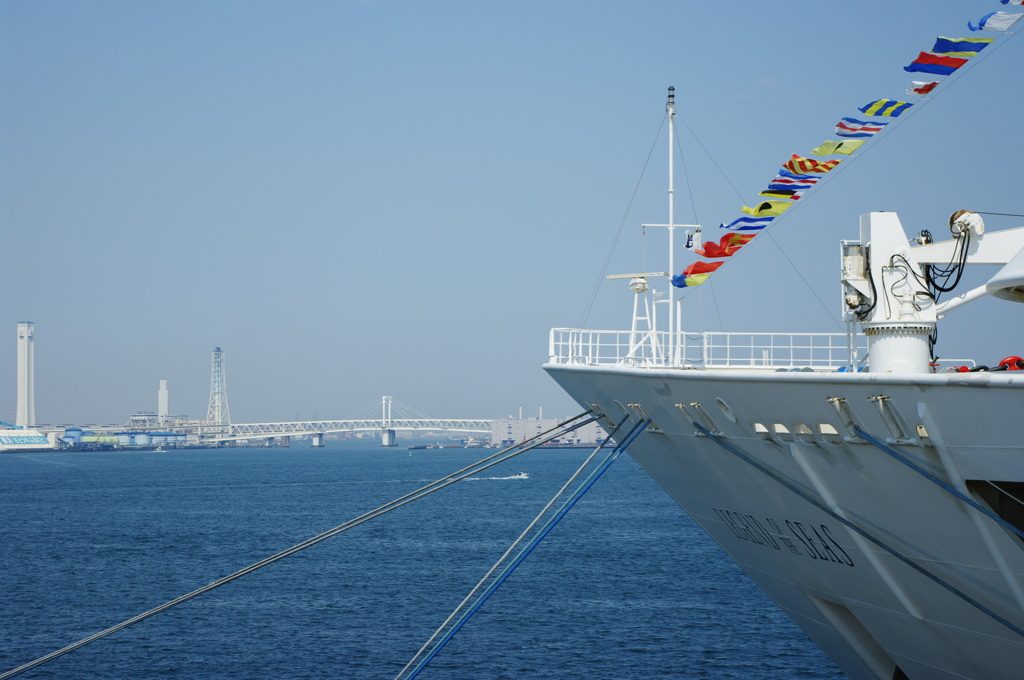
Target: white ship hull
{"points": [[873, 614]]}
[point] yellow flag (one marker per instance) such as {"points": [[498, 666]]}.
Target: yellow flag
{"points": [[845, 147], [768, 208]]}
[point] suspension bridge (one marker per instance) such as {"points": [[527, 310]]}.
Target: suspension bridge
{"points": [[394, 417]]}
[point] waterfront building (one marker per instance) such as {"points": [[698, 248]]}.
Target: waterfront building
{"points": [[510, 430]]}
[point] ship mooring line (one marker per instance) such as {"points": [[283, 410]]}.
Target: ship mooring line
{"points": [[877, 443], [511, 548], [544, 530], [500, 457], [750, 460]]}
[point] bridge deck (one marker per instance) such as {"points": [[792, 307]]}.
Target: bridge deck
{"points": [[256, 430]]}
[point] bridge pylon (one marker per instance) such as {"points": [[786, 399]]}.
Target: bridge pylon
{"points": [[387, 433]]}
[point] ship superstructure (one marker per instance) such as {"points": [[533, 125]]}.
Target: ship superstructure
{"points": [[874, 491], [875, 494]]}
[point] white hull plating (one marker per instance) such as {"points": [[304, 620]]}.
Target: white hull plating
{"points": [[874, 615]]}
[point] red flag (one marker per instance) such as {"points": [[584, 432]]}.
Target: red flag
{"points": [[726, 246], [920, 87], [938, 64], [701, 268], [696, 274]]}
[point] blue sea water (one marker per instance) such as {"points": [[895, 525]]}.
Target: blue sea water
{"points": [[626, 586]]}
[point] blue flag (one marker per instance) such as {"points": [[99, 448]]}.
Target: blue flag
{"points": [[783, 172], [777, 185], [747, 224], [885, 107], [960, 47]]}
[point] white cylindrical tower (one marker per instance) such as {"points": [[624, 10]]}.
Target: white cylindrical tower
{"points": [[26, 416], [161, 403]]}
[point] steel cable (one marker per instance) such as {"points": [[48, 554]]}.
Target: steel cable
{"points": [[490, 461], [422, 657]]}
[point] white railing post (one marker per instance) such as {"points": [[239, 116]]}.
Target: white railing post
{"points": [[723, 350]]}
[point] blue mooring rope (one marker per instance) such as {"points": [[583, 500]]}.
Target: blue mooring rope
{"points": [[544, 531], [747, 458], [932, 478]]}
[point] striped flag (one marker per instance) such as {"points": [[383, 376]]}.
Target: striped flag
{"points": [[960, 47], [1012, 2], [851, 127], [783, 172], [784, 183], [747, 224], [847, 146], [921, 87], [801, 164], [927, 62], [995, 21], [726, 246], [885, 107], [696, 274]]}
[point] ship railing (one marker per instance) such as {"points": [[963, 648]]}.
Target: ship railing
{"points": [[655, 349], [953, 365]]}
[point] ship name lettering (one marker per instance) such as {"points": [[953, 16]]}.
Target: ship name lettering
{"points": [[791, 545], [825, 552], [847, 560], [817, 540], [782, 538], [747, 527]]}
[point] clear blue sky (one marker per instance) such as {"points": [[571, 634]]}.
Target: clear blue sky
{"points": [[358, 198]]}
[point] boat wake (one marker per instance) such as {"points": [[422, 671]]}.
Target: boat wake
{"points": [[521, 475]]}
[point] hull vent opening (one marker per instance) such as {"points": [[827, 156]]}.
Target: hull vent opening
{"points": [[1006, 499], [860, 641]]}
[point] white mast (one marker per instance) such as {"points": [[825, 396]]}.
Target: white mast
{"points": [[670, 110], [638, 282]]}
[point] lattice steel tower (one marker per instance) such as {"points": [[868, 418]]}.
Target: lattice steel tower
{"points": [[218, 413]]}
